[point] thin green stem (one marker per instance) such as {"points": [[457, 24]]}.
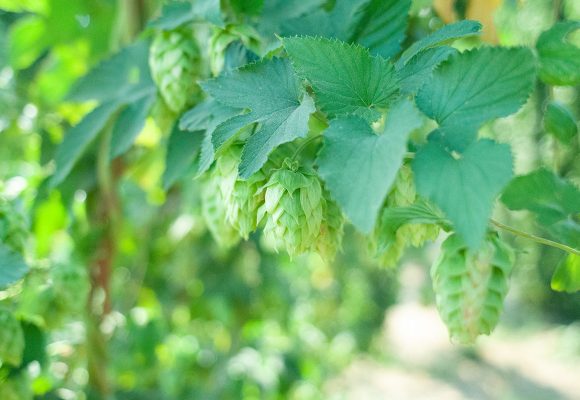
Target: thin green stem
{"points": [[535, 238], [303, 146]]}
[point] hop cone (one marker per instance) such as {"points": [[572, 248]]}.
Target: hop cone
{"points": [[214, 210], [174, 59], [11, 338], [470, 286], [331, 230], [293, 210], [13, 230]]}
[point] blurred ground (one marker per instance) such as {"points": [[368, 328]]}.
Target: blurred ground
{"points": [[525, 363]]}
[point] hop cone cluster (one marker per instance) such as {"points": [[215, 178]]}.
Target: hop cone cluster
{"points": [[13, 232], [388, 248], [11, 338], [470, 286], [174, 59]]}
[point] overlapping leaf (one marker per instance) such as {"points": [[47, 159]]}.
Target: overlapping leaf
{"points": [[275, 99], [559, 59], [559, 121], [346, 78], [474, 87], [360, 166], [464, 186]]}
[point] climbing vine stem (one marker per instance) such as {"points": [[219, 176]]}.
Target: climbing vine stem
{"points": [[535, 238]]}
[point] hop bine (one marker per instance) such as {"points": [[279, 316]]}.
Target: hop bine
{"points": [[174, 59], [470, 286]]}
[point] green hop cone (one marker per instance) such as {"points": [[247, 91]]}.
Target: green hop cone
{"points": [[11, 338], [293, 210], [331, 230], [223, 37], [13, 231], [470, 286], [174, 59], [214, 211]]}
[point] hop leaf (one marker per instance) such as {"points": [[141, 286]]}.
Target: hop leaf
{"points": [[470, 286], [11, 338], [174, 60], [293, 210]]}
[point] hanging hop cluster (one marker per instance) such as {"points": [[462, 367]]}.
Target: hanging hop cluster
{"points": [[470, 286], [11, 338], [389, 247], [175, 62], [13, 231]]}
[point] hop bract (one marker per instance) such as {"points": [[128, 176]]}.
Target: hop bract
{"points": [[331, 230], [174, 59], [214, 210], [293, 210], [470, 286]]}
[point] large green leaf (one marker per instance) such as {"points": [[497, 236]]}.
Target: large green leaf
{"points": [[444, 35], [12, 266], [130, 122], [360, 166], [474, 87], [550, 197], [346, 78], [276, 100], [559, 121], [559, 59], [383, 26], [78, 138], [464, 186], [419, 70], [123, 76], [566, 278]]}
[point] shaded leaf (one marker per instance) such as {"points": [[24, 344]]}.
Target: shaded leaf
{"points": [[129, 124], [566, 278], [559, 121], [12, 266], [182, 149], [559, 59]]}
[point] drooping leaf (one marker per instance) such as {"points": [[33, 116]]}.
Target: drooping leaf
{"points": [[548, 196], [173, 14], [559, 121], [130, 122], [444, 35], [559, 59], [276, 14], [420, 68], [276, 100], [182, 149], [12, 266], [474, 87], [383, 25], [123, 76], [346, 78], [464, 186], [77, 139], [566, 278], [359, 166]]}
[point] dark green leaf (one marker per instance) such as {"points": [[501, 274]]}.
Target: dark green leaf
{"points": [[559, 59], [464, 186], [182, 149], [567, 275], [12, 266], [550, 197], [559, 121], [345, 78], [130, 122], [276, 100], [474, 87], [78, 138], [359, 166], [420, 69], [444, 35]]}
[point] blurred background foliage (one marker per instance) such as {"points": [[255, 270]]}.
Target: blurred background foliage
{"points": [[171, 315]]}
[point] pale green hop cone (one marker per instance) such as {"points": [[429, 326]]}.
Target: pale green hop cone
{"points": [[470, 286], [175, 59], [293, 210], [214, 211], [331, 230]]}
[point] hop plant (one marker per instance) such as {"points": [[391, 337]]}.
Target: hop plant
{"points": [[13, 230], [222, 38], [11, 338], [174, 59], [214, 211], [331, 230], [470, 286], [293, 209]]}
